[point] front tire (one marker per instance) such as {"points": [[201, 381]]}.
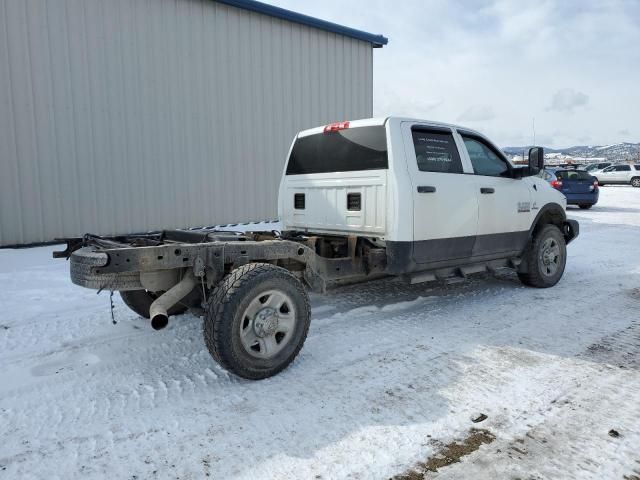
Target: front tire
{"points": [[586, 206], [635, 182], [545, 258], [257, 320]]}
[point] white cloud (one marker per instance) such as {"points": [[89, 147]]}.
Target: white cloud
{"points": [[511, 56], [477, 113], [567, 100], [393, 103]]}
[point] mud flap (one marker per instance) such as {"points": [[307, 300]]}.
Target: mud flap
{"points": [[570, 230]]}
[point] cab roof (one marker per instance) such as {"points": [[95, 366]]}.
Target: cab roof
{"points": [[369, 122]]}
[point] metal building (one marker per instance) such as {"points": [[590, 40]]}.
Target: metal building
{"points": [[131, 115]]}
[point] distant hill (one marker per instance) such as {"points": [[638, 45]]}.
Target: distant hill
{"points": [[618, 152]]}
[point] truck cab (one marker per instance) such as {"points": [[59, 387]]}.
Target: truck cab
{"points": [[432, 194]]}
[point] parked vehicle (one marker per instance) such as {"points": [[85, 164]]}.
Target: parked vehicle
{"points": [[569, 166], [623, 174], [579, 187], [594, 167], [358, 200], [548, 174]]}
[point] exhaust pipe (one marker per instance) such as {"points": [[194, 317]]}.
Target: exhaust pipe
{"points": [[158, 310]]}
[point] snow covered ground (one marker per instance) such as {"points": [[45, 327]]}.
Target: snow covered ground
{"points": [[388, 374]]}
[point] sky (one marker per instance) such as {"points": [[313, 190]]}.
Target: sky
{"points": [[572, 68]]}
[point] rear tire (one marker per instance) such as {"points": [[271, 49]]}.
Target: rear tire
{"points": [[140, 302], [545, 258], [635, 182], [257, 320], [585, 206]]}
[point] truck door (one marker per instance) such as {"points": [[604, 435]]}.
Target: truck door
{"points": [[504, 203], [445, 204]]}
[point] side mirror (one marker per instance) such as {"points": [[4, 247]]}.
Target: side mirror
{"points": [[536, 160]]}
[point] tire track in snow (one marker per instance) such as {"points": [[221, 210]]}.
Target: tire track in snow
{"points": [[360, 320], [622, 348], [115, 405], [574, 421], [370, 370]]}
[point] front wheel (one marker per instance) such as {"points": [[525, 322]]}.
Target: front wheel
{"points": [[545, 258], [635, 182], [257, 320], [585, 206]]}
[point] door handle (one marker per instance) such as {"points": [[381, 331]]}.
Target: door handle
{"points": [[487, 190], [426, 189]]}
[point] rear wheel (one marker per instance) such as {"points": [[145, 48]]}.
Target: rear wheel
{"points": [[257, 320], [635, 181], [585, 206], [545, 258], [140, 302]]}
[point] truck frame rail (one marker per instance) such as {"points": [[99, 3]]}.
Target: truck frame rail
{"points": [[128, 262]]}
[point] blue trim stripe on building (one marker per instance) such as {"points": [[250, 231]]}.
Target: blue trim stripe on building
{"points": [[377, 41]]}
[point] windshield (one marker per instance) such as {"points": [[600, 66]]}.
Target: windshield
{"points": [[346, 150]]}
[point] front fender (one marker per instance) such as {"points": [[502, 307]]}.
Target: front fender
{"points": [[553, 213]]}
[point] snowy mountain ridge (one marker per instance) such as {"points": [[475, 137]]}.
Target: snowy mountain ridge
{"points": [[618, 152]]}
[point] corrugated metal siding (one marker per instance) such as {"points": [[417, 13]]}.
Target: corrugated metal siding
{"points": [[130, 115]]}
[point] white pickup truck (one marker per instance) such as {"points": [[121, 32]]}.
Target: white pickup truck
{"points": [[358, 200]]}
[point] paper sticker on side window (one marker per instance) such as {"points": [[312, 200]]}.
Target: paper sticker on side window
{"points": [[436, 152]]}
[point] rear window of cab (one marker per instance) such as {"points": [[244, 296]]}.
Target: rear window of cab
{"points": [[343, 150], [573, 175]]}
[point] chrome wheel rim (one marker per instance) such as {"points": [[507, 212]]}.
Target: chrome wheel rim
{"points": [[636, 182], [549, 257], [267, 324]]}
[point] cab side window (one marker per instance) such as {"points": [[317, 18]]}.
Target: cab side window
{"points": [[436, 151], [622, 168], [484, 158]]}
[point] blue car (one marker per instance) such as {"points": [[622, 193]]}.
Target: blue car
{"points": [[580, 187]]}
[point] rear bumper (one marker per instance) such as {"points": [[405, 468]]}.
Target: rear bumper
{"points": [[582, 198], [571, 230]]}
